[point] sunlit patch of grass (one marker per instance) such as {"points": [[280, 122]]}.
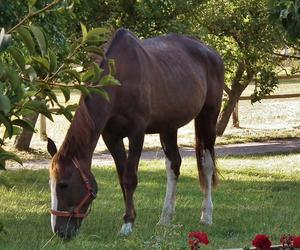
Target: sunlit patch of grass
{"points": [[257, 194]]}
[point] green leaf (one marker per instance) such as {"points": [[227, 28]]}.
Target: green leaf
{"points": [[73, 73], [15, 131], [97, 34], [51, 94], [40, 38], [109, 80], [27, 39], [43, 62], [53, 61], [83, 89], [67, 113], [97, 72], [5, 40], [14, 79], [38, 106], [5, 105], [84, 32], [18, 57], [24, 124], [31, 73], [4, 155], [94, 49], [72, 107], [31, 3], [100, 92], [66, 93], [87, 76], [6, 122]]}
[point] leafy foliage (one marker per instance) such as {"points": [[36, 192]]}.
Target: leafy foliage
{"points": [[31, 72], [288, 13]]}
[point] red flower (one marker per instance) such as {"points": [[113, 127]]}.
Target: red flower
{"points": [[200, 236], [296, 241], [196, 238], [262, 242], [286, 240]]}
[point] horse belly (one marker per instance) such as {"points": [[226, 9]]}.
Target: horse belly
{"points": [[174, 116]]}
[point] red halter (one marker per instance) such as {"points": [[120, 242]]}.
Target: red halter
{"points": [[90, 195]]}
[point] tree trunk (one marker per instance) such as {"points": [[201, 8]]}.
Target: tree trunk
{"points": [[43, 128], [233, 97], [227, 110], [23, 140], [235, 116]]}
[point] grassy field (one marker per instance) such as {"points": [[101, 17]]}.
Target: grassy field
{"points": [[257, 195]]}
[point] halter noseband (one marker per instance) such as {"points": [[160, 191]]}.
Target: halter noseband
{"points": [[90, 195]]}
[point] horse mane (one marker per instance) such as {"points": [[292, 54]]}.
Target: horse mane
{"points": [[80, 132], [77, 138]]}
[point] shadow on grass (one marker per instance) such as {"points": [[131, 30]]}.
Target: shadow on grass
{"points": [[243, 207]]}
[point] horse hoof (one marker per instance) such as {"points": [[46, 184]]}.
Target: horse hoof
{"points": [[126, 229], [205, 221], [165, 221]]}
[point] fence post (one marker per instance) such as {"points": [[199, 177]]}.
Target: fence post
{"points": [[235, 116], [43, 129]]}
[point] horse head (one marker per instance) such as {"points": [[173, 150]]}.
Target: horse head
{"points": [[73, 188]]}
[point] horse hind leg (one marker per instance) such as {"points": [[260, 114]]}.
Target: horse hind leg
{"points": [[173, 162], [205, 124]]}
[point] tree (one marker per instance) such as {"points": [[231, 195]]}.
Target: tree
{"points": [[242, 33], [288, 13], [30, 71]]}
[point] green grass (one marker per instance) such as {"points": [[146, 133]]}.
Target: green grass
{"points": [[257, 195]]}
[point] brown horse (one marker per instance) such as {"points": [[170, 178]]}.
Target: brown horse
{"points": [[166, 82]]}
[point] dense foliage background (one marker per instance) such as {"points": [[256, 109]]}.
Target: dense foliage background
{"points": [[39, 53]]}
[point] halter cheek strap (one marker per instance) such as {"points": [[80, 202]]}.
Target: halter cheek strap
{"points": [[90, 195]]}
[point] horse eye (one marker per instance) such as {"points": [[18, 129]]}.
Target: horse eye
{"points": [[62, 185]]}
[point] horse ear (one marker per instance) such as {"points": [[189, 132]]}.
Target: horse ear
{"points": [[51, 147]]}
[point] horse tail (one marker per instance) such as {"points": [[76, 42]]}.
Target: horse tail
{"points": [[205, 136]]}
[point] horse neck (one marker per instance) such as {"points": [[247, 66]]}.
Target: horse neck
{"points": [[88, 124]]}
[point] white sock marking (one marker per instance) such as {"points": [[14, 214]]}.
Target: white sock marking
{"points": [[126, 229], [170, 198], [207, 205], [53, 202]]}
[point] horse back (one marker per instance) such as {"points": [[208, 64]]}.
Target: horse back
{"points": [[164, 80]]}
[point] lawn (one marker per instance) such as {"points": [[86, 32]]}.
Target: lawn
{"points": [[258, 194]]}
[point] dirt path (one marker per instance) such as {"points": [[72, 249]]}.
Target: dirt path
{"points": [[253, 148]]}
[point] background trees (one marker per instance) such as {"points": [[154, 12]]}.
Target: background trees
{"points": [[243, 34], [48, 46], [31, 72]]}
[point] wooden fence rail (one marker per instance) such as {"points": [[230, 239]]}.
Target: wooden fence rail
{"points": [[235, 114]]}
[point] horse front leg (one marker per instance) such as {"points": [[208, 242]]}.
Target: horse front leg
{"points": [[116, 147], [130, 180]]}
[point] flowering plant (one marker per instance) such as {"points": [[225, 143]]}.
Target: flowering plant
{"points": [[196, 239], [290, 241], [262, 242]]}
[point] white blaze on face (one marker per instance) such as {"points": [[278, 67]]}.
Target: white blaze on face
{"points": [[53, 202]]}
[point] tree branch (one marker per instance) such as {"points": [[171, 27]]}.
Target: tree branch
{"points": [[286, 56], [30, 15]]}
